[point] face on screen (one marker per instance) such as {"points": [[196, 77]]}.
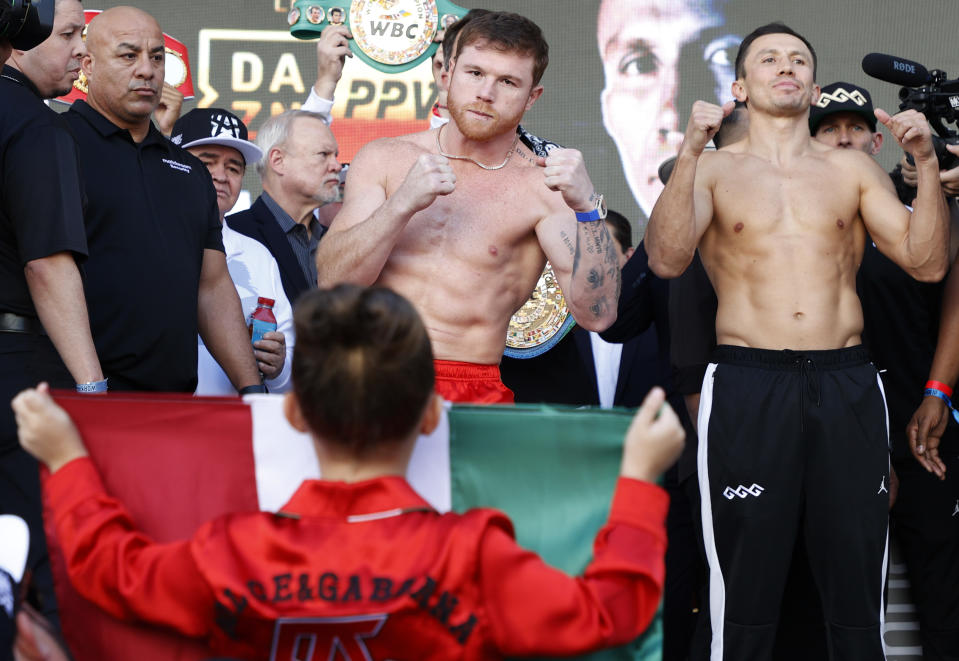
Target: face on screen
{"points": [[658, 57]]}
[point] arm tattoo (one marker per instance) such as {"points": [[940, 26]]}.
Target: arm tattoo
{"points": [[576, 255], [595, 279], [598, 242], [569, 244], [599, 308]]}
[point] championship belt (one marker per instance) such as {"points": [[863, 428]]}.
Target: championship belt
{"points": [[542, 322], [389, 35]]}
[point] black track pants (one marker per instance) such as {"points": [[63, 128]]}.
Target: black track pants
{"points": [[790, 439]]}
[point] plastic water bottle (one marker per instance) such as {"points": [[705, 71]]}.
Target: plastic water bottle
{"points": [[262, 319]]}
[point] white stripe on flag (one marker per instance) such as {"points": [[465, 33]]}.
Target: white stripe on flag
{"points": [[429, 470], [284, 457]]}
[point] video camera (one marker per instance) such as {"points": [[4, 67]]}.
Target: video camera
{"points": [[26, 23], [928, 92]]}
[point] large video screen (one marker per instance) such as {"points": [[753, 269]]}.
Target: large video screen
{"points": [[622, 75]]}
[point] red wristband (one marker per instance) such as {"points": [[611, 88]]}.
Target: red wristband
{"points": [[939, 385]]}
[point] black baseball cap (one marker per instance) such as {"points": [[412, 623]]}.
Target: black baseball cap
{"points": [[842, 97], [215, 126]]}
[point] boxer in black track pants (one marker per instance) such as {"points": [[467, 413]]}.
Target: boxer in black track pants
{"points": [[794, 443]]}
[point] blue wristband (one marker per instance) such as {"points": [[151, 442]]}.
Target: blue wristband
{"points": [[589, 216], [598, 212], [93, 386], [933, 392]]}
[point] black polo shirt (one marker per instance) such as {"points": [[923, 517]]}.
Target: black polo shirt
{"points": [[41, 204], [151, 213]]}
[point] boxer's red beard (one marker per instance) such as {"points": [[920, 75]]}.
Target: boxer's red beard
{"points": [[477, 128]]}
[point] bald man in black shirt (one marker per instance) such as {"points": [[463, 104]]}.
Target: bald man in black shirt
{"points": [[157, 271]]}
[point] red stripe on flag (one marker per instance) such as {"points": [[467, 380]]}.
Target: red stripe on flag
{"points": [[192, 455]]}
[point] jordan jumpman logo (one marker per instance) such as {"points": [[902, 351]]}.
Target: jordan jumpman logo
{"points": [[882, 486]]}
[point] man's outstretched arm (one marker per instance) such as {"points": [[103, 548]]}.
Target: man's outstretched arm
{"points": [[684, 208], [616, 597], [917, 242], [109, 561], [332, 49]]}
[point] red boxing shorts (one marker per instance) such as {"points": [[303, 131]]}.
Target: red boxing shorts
{"points": [[471, 383]]}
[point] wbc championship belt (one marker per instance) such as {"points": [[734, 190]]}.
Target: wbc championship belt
{"points": [[389, 35], [542, 322]]}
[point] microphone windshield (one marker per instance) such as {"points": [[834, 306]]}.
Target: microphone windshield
{"points": [[895, 70]]}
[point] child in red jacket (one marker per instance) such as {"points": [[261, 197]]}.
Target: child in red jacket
{"points": [[358, 564]]}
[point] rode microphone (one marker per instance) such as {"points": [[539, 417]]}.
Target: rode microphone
{"points": [[928, 92], [895, 70]]}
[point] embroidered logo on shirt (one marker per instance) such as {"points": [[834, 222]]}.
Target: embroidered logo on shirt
{"points": [[176, 165], [742, 491]]}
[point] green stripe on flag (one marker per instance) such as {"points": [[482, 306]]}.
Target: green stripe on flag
{"points": [[553, 471]]}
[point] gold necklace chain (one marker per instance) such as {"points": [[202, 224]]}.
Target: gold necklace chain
{"points": [[509, 154]]}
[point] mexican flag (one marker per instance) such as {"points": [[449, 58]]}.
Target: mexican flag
{"points": [[177, 461]]}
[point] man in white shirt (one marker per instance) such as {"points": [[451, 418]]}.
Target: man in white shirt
{"points": [[219, 139]]}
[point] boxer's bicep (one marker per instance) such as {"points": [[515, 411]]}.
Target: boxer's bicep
{"points": [[702, 203], [557, 237], [885, 217]]}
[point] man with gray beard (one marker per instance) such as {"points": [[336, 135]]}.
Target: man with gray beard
{"points": [[300, 172]]}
